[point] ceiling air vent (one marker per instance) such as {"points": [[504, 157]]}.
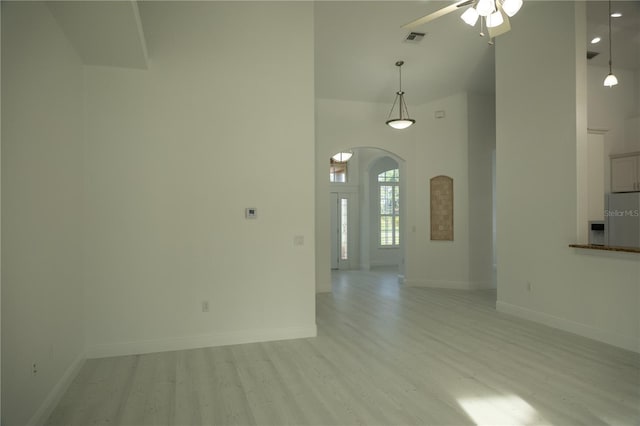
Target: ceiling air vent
{"points": [[591, 55], [414, 37]]}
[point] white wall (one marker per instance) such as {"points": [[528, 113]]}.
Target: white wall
{"points": [[442, 149], [222, 120], [613, 108], [42, 310], [0, 211], [482, 144], [596, 178], [616, 111], [539, 125], [429, 148], [365, 157]]}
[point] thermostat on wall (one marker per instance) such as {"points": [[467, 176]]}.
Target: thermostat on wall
{"points": [[251, 213]]}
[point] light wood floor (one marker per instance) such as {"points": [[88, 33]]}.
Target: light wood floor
{"points": [[384, 354]]}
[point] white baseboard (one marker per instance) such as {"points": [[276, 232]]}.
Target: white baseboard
{"points": [[54, 396], [200, 341], [570, 326], [453, 285]]}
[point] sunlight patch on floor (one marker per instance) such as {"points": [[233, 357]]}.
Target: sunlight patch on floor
{"points": [[508, 410]]}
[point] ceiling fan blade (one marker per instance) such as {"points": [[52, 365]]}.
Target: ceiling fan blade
{"points": [[437, 14], [505, 27]]}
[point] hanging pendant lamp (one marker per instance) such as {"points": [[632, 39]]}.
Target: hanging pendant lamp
{"points": [[610, 80], [403, 121]]}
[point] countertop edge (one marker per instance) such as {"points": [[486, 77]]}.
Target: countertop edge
{"points": [[606, 248]]}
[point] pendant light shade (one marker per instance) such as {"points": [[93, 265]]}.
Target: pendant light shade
{"points": [[610, 80], [403, 121], [400, 124]]}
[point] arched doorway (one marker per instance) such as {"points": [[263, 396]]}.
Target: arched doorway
{"points": [[367, 211]]}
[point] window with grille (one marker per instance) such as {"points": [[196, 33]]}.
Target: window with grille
{"points": [[388, 182]]}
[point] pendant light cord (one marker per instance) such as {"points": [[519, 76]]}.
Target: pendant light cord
{"points": [[403, 121], [610, 53], [400, 94]]}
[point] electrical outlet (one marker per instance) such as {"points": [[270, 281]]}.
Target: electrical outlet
{"points": [[298, 240], [34, 369], [205, 306]]}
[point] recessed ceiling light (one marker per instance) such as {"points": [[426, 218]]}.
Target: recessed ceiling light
{"points": [[616, 15], [595, 40]]}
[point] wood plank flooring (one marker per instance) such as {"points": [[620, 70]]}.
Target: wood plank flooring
{"points": [[384, 355]]}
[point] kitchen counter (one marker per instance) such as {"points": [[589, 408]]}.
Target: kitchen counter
{"points": [[606, 248]]}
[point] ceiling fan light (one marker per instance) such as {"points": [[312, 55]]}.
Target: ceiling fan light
{"points": [[400, 123], [610, 80], [495, 20], [485, 7], [511, 7], [470, 16]]}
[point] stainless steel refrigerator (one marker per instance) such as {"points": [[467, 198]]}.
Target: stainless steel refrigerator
{"points": [[622, 219]]}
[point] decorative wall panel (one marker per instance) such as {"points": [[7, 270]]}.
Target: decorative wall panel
{"points": [[441, 197]]}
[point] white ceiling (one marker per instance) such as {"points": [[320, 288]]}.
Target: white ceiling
{"points": [[358, 42], [103, 32], [625, 33]]}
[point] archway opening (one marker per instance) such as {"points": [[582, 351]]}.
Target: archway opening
{"points": [[367, 211]]}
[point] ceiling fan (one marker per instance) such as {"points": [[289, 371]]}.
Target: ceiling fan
{"points": [[493, 15]]}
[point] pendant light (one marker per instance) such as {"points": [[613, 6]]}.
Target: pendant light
{"points": [[610, 80], [403, 121]]}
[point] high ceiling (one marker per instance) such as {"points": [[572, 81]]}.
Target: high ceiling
{"points": [[625, 33], [358, 42]]}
